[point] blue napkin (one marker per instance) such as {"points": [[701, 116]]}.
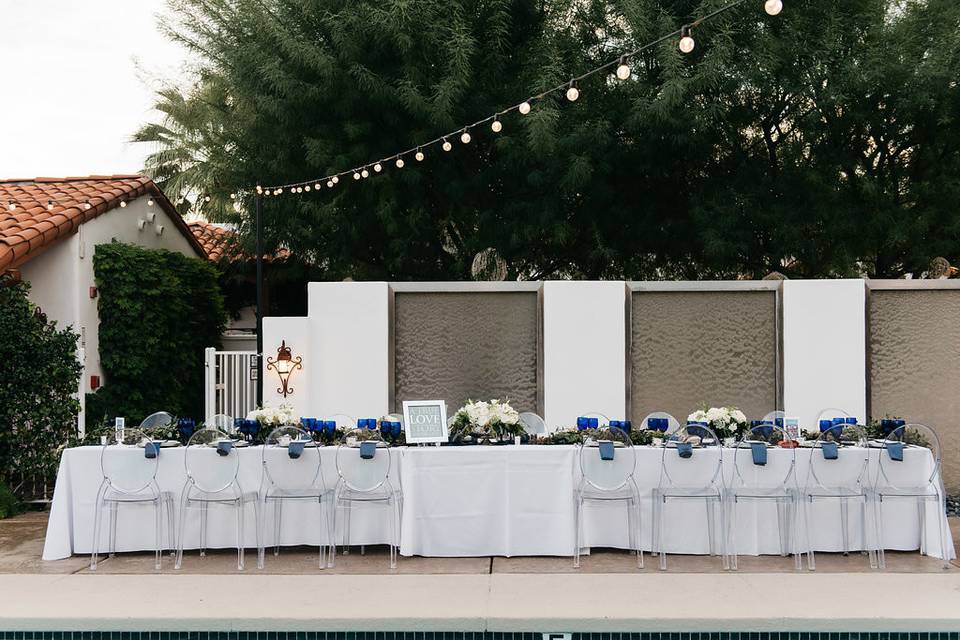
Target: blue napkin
{"points": [[606, 450], [152, 449], [295, 448], [759, 450], [684, 449], [829, 450], [224, 447], [368, 449], [895, 451]]}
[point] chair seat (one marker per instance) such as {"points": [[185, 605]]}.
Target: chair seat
{"points": [[381, 494], [834, 492], [308, 493], [762, 493], [223, 497], [120, 497], [712, 493], [924, 491], [589, 492]]}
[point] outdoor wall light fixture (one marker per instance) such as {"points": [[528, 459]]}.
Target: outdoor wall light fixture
{"points": [[284, 365]]}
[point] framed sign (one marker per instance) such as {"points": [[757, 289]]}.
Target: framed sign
{"points": [[425, 421], [792, 427]]}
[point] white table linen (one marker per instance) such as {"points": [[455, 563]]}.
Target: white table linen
{"points": [[502, 500]]}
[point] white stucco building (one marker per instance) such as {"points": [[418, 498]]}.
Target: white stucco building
{"points": [[49, 228]]}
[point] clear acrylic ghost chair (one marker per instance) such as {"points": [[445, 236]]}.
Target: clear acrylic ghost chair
{"points": [[223, 422], [774, 481], [291, 478], [916, 477], [605, 481], [672, 423], [130, 478], [366, 481], [533, 424], [830, 480], [343, 420], [684, 479], [212, 481], [158, 419]]}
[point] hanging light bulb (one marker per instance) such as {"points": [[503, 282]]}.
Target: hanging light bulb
{"points": [[623, 70], [335, 179], [773, 7], [280, 190], [418, 155], [686, 40], [364, 173], [123, 203], [572, 92], [277, 192], [87, 206], [399, 162], [496, 125], [49, 205], [356, 175], [524, 107], [206, 198], [259, 189], [465, 136], [12, 206], [330, 184], [446, 145], [307, 188], [378, 167], [316, 187], [233, 196]]}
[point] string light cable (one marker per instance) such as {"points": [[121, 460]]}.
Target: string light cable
{"points": [[571, 89]]}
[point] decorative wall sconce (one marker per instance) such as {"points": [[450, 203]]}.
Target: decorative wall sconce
{"points": [[284, 365]]}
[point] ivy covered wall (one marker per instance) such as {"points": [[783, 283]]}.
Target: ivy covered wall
{"points": [[158, 311]]}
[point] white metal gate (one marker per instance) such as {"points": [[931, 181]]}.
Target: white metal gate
{"points": [[231, 383]]}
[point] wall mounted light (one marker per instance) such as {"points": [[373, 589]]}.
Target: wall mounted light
{"points": [[284, 365]]}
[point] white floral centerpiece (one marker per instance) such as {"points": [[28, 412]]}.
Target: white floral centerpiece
{"points": [[726, 422], [483, 420], [269, 416]]}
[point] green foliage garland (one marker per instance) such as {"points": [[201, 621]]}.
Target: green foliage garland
{"points": [[39, 377], [158, 311]]}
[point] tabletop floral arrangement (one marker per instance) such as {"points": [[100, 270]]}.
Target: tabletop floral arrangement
{"points": [[726, 422], [485, 421], [269, 416]]}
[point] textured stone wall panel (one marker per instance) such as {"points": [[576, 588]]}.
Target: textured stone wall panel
{"points": [[455, 346], [915, 365], [714, 347]]}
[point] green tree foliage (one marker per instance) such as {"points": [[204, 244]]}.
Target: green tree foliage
{"points": [[823, 142], [39, 378], [158, 311]]}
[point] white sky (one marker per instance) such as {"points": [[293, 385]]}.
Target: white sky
{"points": [[75, 84]]}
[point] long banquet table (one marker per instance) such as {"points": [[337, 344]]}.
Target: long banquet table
{"points": [[509, 500]]}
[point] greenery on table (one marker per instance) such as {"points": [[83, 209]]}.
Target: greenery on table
{"points": [[38, 387], [819, 143], [572, 435], [485, 422], [158, 311]]}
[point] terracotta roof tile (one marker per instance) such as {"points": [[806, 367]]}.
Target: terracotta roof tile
{"points": [[31, 225], [222, 243]]}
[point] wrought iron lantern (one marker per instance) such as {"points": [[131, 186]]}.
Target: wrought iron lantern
{"points": [[284, 365]]}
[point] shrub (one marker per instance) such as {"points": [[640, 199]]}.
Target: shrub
{"points": [[158, 311], [39, 378]]}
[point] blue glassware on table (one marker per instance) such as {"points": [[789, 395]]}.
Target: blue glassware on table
{"points": [[185, 428], [765, 428], [851, 420], [593, 423], [582, 423], [698, 428]]}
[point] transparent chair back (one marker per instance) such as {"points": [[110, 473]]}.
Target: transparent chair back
{"points": [[129, 473], [673, 423], [158, 419], [210, 471], [779, 469], [290, 475], [678, 472], [371, 474], [826, 473], [601, 418], [915, 438], [533, 424], [223, 422], [608, 475], [343, 420]]}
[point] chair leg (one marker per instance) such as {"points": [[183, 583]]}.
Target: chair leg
{"points": [[277, 520], [878, 530], [158, 518], [633, 517], [577, 534], [662, 506], [260, 506], [811, 558], [724, 555], [203, 529], [171, 534], [113, 528], [731, 528], [943, 539], [346, 528], [782, 526], [183, 521], [711, 525], [844, 521], [240, 506], [392, 515], [871, 552], [795, 532], [922, 521], [97, 520]]}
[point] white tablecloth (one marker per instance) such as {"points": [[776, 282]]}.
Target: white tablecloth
{"points": [[481, 501]]}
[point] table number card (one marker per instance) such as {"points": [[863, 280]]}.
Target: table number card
{"points": [[425, 421]]}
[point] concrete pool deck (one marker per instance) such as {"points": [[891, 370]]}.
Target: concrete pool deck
{"points": [[474, 594]]}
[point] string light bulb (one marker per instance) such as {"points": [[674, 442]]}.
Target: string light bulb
{"points": [[87, 206], [149, 202], [316, 187], [773, 7], [399, 162], [49, 205], [206, 198], [623, 69], [279, 191], [12, 206], [123, 204], [233, 196], [378, 167], [524, 107], [307, 188], [419, 155], [572, 92], [686, 40], [259, 189], [330, 184], [335, 179], [465, 136], [446, 145], [364, 173], [356, 175], [496, 125]]}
